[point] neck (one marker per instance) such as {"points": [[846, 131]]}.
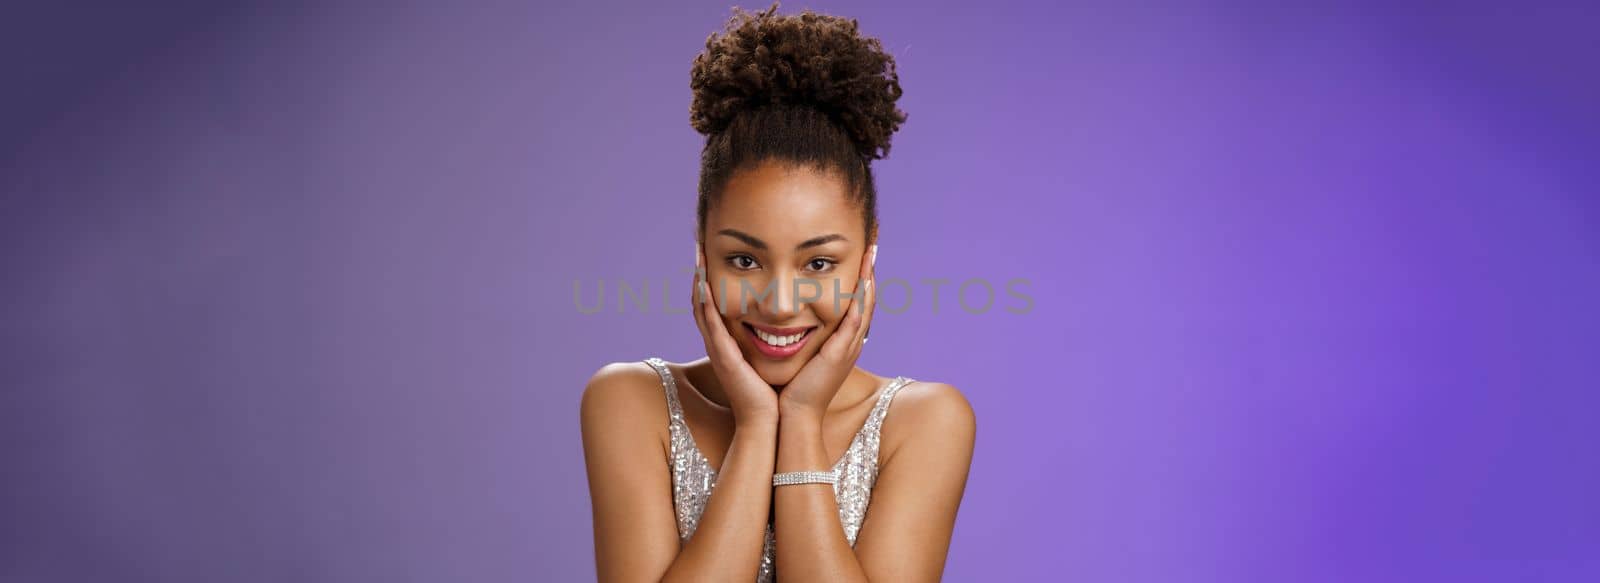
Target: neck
{"points": [[858, 385]]}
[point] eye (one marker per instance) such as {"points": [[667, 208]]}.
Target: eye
{"points": [[743, 262], [821, 265]]}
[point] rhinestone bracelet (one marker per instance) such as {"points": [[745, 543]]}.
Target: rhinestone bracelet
{"points": [[791, 478]]}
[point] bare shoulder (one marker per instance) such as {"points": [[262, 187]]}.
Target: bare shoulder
{"points": [[923, 411], [623, 393], [932, 401]]}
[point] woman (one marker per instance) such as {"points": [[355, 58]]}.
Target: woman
{"points": [[775, 453]]}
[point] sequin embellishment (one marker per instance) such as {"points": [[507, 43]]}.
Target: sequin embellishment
{"points": [[693, 478]]}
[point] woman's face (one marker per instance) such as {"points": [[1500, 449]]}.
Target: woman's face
{"points": [[780, 242]]}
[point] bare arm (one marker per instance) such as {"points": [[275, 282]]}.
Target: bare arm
{"points": [[925, 448], [727, 544], [630, 486], [912, 514]]}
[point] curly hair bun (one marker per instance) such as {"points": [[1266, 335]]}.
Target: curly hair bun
{"points": [[808, 59]]}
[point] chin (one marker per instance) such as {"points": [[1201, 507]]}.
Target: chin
{"points": [[776, 374]]}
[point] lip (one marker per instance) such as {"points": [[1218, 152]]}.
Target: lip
{"points": [[778, 351]]}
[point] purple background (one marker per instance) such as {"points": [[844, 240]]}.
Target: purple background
{"points": [[289, 287]]}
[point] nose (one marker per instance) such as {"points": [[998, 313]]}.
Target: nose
{"points": [[781, 302]]}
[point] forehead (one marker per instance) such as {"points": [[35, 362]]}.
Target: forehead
{"points": [[783, 202]]}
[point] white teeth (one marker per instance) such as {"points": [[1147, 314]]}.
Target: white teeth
{"points": [[779, 341]]}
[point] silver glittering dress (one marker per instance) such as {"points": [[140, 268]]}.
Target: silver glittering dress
{"points": [[693, 479]]}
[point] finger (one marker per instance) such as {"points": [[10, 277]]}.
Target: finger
{"points": [[870, 302], [699, 314], [864, 279], [862, 317], [857, 302], [716, 340], [713, 315], [839, 345], [716, 332], [865, 319], [695, 297], [859, 312]]}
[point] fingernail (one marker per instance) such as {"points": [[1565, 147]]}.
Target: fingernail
{"points": [[874, 255]]}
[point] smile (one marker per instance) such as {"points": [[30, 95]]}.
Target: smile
{"points": [[778, 342]]}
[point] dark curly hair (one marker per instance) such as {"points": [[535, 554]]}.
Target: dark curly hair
{"points": [[806, 89]]}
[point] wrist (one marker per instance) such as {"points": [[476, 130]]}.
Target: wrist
{"points": [[800, 430], [756, 421], [790, 413], [800, 448]]}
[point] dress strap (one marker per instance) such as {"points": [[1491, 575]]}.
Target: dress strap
{"points": [[670, 385], [881, 408]]}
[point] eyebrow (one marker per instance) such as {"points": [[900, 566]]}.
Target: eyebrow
{"points": [[759, 244]]}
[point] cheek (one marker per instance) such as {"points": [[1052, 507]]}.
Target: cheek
{"points": [[831, 308], [725, 292]]}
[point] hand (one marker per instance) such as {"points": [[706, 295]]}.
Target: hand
{"points": [[808, 395], [750, 397]]}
